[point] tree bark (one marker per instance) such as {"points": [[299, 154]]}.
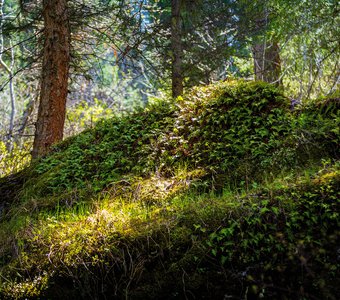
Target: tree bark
{"points": [[54, 77], [177, 49], [266, 54], [267, 63]]}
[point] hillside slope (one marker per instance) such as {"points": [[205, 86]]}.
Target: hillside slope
{"points": [[225, 193]]}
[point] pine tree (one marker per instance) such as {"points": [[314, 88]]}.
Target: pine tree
{"points": [[54, 76]]}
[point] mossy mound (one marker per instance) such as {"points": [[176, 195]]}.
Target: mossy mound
{"points": [[216, 195], [217, 128]]}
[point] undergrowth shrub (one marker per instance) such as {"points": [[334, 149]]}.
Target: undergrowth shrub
{"points": [[100, 156], [84, 116], [316, 127], [232, 128]]}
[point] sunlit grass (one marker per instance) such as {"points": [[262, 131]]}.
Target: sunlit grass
{"points": [[93, 233]]}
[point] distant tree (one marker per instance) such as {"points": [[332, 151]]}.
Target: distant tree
{"points": [[309, 33], [256, 23], [8, 68], [266, 54], [177, 48], [295, 44], [190, 42]]}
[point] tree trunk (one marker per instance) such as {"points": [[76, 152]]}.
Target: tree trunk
{"points": [[54, 77], [267, 63], [176, 47], [266, 54]]}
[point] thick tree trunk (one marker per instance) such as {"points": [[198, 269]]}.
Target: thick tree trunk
{"points": [[267, 63], [54, 77], [176, 47]]}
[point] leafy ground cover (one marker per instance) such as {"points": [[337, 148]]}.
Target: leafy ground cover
{"points": [[224, 193]]}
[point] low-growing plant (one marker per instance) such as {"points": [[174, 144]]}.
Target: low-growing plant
{"points": [[282, 234], [15, 160]]}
